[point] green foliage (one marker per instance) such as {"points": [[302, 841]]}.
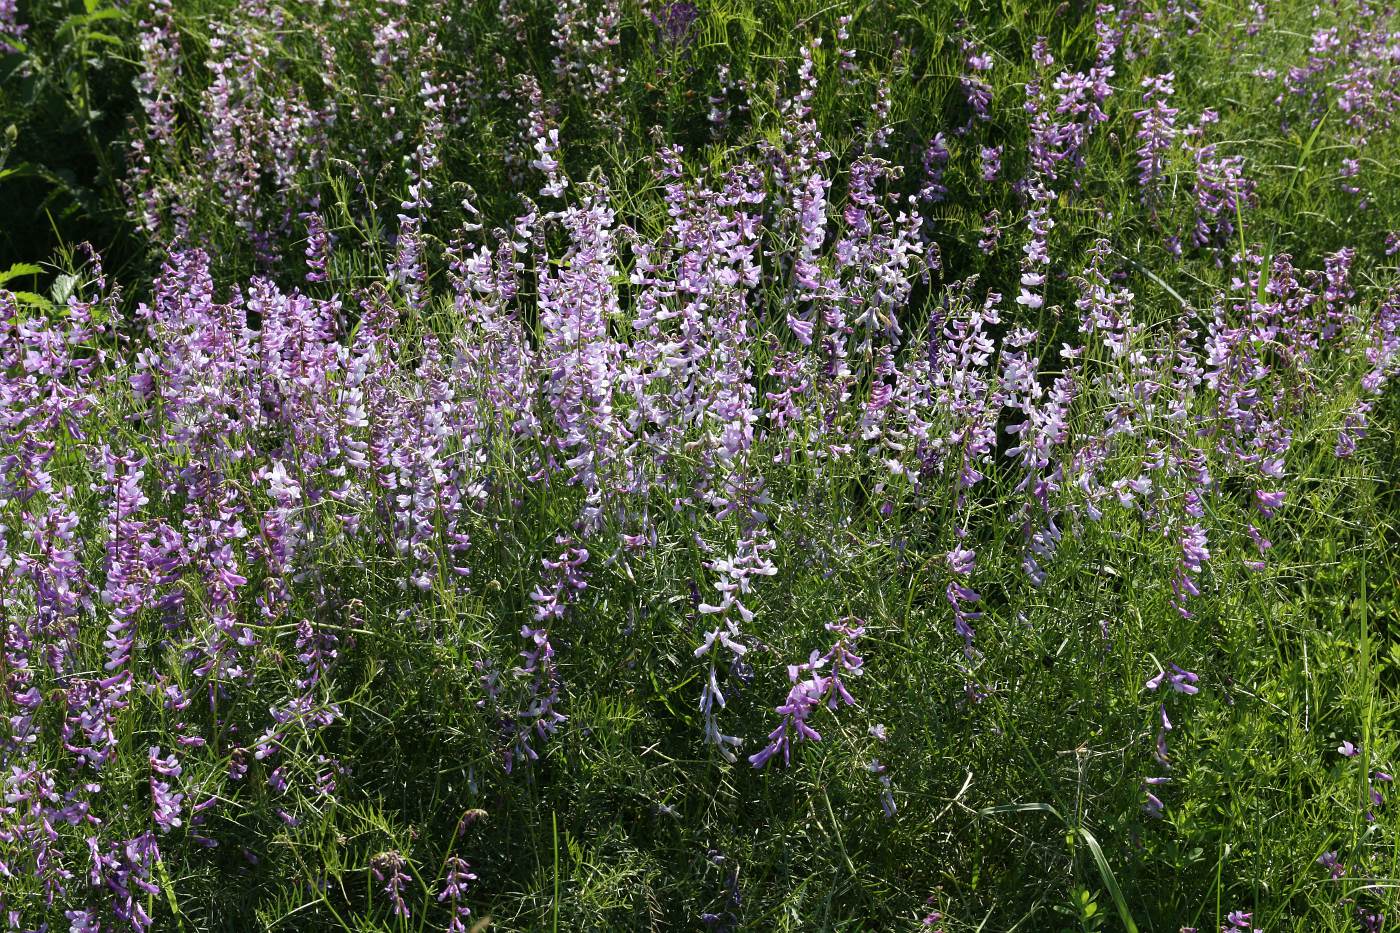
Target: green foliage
{"points": [[65, 102], [1019, 809]]}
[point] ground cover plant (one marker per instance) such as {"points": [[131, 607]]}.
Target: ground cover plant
{"points": [[627, 464]]}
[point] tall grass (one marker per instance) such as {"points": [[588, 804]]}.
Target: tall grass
{"points": [[853, 476]]}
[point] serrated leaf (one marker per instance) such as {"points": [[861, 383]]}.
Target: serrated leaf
{"points": [[19, 269], [63, 287], [33, 300]]}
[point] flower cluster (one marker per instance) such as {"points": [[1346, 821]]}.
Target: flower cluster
{"points": [[510, 427]]}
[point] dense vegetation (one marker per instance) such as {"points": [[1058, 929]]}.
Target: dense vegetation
{"points": [[752, 464]]}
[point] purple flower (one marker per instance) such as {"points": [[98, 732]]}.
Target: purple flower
{"points": [[1157, 133], [935, 160], [991, 163], [454, 889], [1179, 679], [389, 867], [1240, 920], [1194, 554], [1268, 502], [811, 689], [674, 20], [11, 29]]}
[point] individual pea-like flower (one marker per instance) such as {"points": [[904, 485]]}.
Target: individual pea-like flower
{"points": [[1239, 920], [887, 801], [1153, 805], [1333, 863], [1178, 679]]}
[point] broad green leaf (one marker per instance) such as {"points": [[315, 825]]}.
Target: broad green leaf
{"points": [[19, 269]]}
